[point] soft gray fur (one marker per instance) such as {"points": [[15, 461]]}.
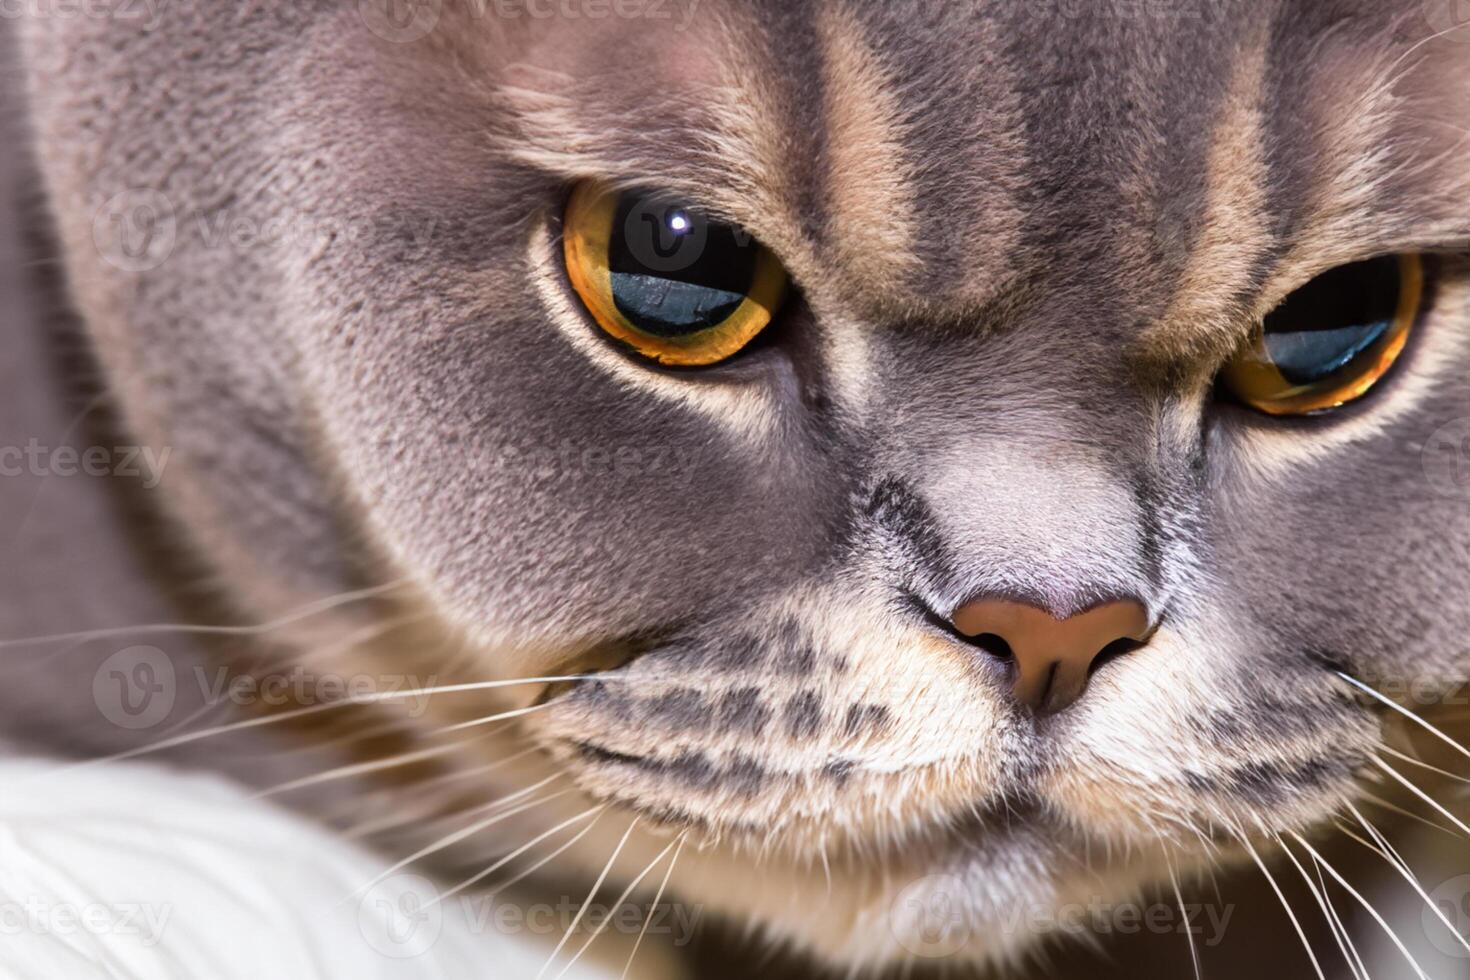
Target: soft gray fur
{"points": [[367, 369]]}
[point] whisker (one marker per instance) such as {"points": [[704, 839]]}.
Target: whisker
{"points": [[1416, 719], [1322, 863], [1417, 45], [502, 862], [658, 897], [1385, 804], [206, 629], [1347, 936], [375, 697], [361, 768], [548, 858], [1423, 765], [490, 719], [1422, 795], [462, 833], [364, 634], [1188, 932], [577, 920], [1350, 832], [1333, 922], [368, 827], [612, 909], [1401, 866], [210, 705], [1284, 904]]}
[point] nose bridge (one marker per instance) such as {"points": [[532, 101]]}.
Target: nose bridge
{"points": [[1039, 485], [1053, 656], [1053, 519]]}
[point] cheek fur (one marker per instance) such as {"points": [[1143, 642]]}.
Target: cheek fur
{"points": [[989, 222]]}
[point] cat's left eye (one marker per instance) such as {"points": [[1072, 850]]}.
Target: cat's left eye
{"points": [[674, 285], [1332, 340]]}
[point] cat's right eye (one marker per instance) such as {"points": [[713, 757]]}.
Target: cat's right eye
{"points": [[665, 280], [1331, 340]]}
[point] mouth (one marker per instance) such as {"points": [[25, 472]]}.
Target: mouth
{"points": [[686, 768], [675, 729], [619, 778]]}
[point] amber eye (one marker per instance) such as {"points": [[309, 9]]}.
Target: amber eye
{"points": [[663, 279], [1331, 340]]}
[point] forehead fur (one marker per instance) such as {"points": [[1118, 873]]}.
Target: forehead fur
{"points": [[913, 162]]}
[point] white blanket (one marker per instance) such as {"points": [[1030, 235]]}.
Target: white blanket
{"points": [[129, 871]]}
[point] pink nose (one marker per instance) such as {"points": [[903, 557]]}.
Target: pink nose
{"points": [[1054, 657]]}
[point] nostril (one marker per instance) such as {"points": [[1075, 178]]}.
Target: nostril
{"points": [[1120, 647], [993, 644], [1053, 657]]}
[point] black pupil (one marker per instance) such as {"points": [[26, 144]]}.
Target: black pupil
{"points": [[1331, 320], [674, 272]]}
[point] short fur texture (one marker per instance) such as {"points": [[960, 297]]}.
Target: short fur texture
{"points": [[1026, 237]]}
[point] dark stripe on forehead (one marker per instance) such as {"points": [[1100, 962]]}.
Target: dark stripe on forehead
{"points": [[790, 32], [1117, 104], [1290, 161], [1319, 63], [954, 89]]}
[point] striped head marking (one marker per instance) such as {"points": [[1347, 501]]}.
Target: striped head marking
{"points": [[1000, 353]]}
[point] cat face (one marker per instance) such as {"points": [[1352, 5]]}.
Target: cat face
{"points": [[1022, 242]]}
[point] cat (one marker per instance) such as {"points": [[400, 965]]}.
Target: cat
{"points": [[950, 560]]}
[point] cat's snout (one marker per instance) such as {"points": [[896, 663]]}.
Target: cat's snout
{"points": [[1054, 657]]}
